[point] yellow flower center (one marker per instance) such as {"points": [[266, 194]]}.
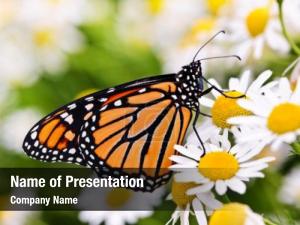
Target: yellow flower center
{"points": [[225, 108], [202, 26], [218, 166], [44, 37], [155, 6], [229, 214], [179, 193], [214, 6], [284, 118], [257, 21], [118, 197]]}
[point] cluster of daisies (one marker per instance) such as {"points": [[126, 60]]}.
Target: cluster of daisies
{"points": [[234, 137], [253, 26], [36, 36], [241, 138]]}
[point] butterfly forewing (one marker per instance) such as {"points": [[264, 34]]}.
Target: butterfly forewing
{"points": [[134, 133]]}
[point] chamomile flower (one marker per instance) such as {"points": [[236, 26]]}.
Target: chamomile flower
{"points": [[200, 204], [290, 190], [258, 27], [275, 116], [152, 21], [235, 214], [14, 128], [255, 26], [221, 167], [223, 108], [119, 205]]}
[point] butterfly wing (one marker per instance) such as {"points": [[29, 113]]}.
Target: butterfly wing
{"points": [[55, 137], [134, 132]]}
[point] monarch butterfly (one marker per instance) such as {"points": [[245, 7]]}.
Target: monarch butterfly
{"points": [[134, 125]]}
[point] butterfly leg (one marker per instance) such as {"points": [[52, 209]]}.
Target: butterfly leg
{"points": [[195, 130], [221, 91]]}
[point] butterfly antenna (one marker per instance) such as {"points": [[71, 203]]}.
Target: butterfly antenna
{"points": [[221, 57], [207, 42]]}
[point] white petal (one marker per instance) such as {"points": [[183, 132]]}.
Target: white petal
{"points": [[257, 162], [199, 212], [234, 84], [258, 48], [200, 189], [236, 185], [184, 219], [191, 151], [190, 175], [244, 81], [204, 101], [260, 80], [246, 120], [184, 160], [221, 187], [209, 200]]}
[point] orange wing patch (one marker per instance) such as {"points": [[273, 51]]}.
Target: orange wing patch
{"points": [[103, 133], [134, 156], [186, 121], [47, 130], [154, 151], [104, 149], [145, 98], [56, 135], [114, 114], [116, 158], [170, 147], [146, 117], [119, 96]]}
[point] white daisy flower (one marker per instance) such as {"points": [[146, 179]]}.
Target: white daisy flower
{"points": [[14, 128], [143, 22], [254, 26], [196, 33], [121, 203], [14, 217], [235, 213], [36, 36], [200, 204], [290, 190], [291, 13], [222, 108], [221, 167], [275, 118]]}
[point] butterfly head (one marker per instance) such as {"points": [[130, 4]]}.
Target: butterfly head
{"points": [[190, 83]]}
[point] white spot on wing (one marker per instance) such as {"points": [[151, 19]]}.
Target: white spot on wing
{"points": [[33, 135], [73, 106], [64, 115], [89, 107], [69, 119], [118, 103]]}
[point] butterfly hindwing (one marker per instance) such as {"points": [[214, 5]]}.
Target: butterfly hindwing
{"points": [[55, 137]]}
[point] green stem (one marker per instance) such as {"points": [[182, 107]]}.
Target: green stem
{"points": [[284, 30], [226, 198], [269, 222]]}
